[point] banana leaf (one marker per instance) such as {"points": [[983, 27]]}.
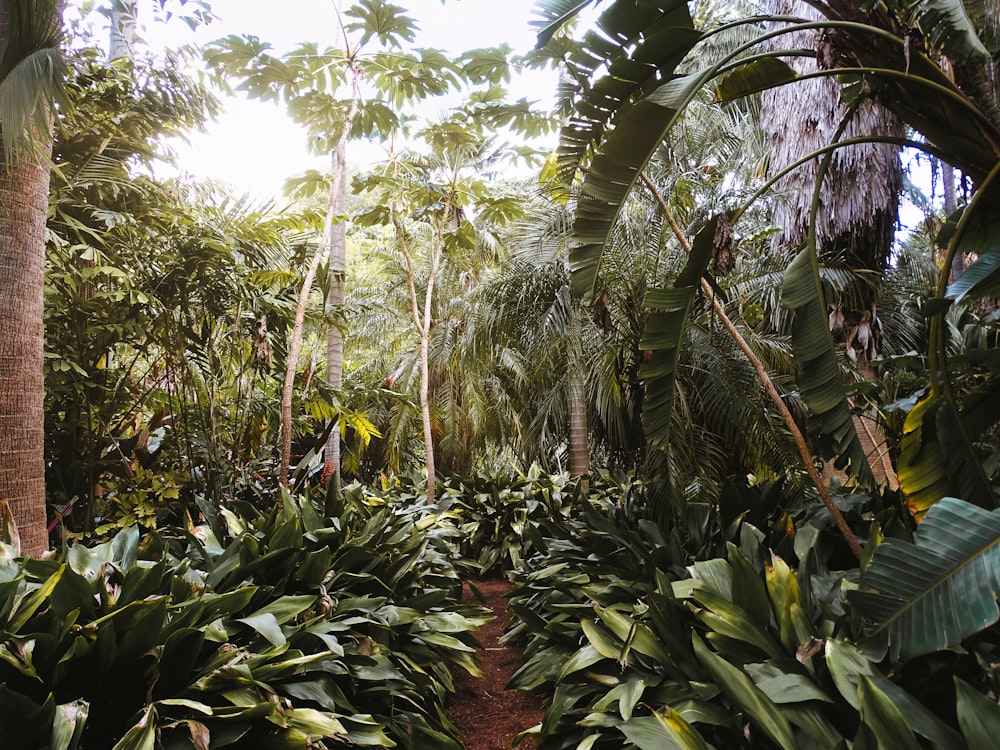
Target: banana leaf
{"points": [[929, 595], [819, 373], [625, 151], [664, 333], [948, 26]]}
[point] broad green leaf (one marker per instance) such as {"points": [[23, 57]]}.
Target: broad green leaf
{"points": [[286, 608], [883, 718], [636, 635], [978, 716], [664, 335], [819, 374], [68, 724], [314, 723], [789, 687], [929, 595], [727, 619], [631, 694], [267, 626], [323, 691], [616, 168], [948, 27], [749, 591], [554, 14], [978, 280], [30, 604], [600, 639], [663, 730], [848, 665], [141, 736], [758, 75], [783, 590], [923, 475], [746, 696]]}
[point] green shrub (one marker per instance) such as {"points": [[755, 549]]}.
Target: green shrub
{"points": [[293, 632], [642, 646]]}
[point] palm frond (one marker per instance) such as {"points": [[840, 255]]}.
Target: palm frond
{"points": [[27, 93]]}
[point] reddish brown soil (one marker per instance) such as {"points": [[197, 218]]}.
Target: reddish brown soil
{"points": [[488, 716]]}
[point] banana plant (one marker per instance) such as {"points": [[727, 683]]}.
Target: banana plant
{"points": [[638, 70]]}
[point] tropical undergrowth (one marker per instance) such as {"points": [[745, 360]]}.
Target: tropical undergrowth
{"points": [[288, 628], [747, 630], [336, 619]]}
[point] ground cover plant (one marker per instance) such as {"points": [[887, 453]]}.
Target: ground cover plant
{"points": [[642, 644], [285, 630]]}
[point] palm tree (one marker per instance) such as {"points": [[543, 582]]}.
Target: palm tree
{"points": [[31, 70], [630, 92], [857, 217]]}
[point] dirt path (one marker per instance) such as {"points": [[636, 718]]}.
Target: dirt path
{"points": [[487, 715]]}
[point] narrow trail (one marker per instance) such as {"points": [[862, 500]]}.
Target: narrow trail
{"points": [[488, 716]]}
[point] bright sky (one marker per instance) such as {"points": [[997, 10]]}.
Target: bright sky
{"points": [[254, 146]]}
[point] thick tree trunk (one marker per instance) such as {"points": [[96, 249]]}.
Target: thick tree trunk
{"points": [[334, 335], [24, 187], [23, 203], [859, 206], [860, 202]]}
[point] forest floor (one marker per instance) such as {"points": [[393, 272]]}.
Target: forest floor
{"points": [[488, 716]]}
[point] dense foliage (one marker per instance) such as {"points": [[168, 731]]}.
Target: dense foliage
{"points": [[288, 629], [732, 423]]}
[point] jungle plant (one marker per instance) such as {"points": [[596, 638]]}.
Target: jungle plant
{"points": [[643, 647], [290, 630]]}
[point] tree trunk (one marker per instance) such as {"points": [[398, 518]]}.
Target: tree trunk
{"points": [[958, 263], [860, 202], [423, 322], [425, 407], [859, 206], [579, 449], [24, 187], [295, 340], [334, 335]]}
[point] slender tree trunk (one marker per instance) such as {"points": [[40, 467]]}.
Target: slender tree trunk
{"points": [[334, 335], [24, 187], [295, 340], [425, 409], [295, 346], [423, 323], [579, 448]]}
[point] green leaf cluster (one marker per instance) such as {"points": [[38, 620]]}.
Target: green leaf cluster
{"points": [[293, 632]]}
